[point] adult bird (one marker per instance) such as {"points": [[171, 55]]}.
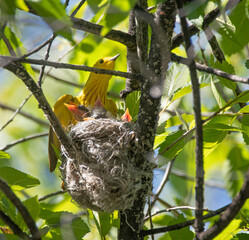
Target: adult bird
{"points": [[94, 89]]}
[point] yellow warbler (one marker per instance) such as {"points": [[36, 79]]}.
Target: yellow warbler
{"points": [[94, 89]]}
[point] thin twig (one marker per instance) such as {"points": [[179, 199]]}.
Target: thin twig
{"points": [[15, 228], [183, 224], [66, 65], [217, 72], [38, 48], [208, 183], [150, 217], [163, 182], [16, 112], [230, 213], [176, 208], [21, 140], [78, 8], [24, 114], [39, 82], [51, 195], [22, 209]]}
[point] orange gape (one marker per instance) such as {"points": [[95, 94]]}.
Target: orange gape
{"points": [[94, 89]]}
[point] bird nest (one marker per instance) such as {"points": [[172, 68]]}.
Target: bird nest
{"points": [[110, 167]]}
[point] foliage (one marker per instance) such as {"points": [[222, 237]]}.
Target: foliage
{"points": [[225, 115]]}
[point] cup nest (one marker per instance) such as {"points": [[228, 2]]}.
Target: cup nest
{"points": [[110, 166]]}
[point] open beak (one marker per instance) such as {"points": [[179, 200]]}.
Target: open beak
{"points": [[78, 111], [114, 58]]}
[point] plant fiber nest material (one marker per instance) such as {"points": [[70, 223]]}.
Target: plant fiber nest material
{"points": [[110, 167]]}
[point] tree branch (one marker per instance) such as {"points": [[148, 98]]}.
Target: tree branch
{"points": [[199, 195], [115, 35], [22, 209], [208, 19], [21, 73], [181, 225], [16, 230], [21, 140], [230, 212], [51, 195], [7, 59], [217, 72]]}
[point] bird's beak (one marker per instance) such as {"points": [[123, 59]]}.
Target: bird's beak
{"points": [[114, 58]]}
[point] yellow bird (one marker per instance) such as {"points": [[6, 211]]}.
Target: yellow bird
{"points": [[94, 89]]}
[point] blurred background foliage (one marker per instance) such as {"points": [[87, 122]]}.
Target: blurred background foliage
{"points": [[226, 150]]}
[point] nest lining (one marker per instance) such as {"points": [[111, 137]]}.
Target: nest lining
{"points": [[105, 175]]}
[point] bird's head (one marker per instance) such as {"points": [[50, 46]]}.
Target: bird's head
{"points": [[106, 62]]}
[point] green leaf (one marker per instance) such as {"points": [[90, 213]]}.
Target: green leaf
{"points": [[117, 12], [215, 131], [226, 67], [183, 233], [247, 63], [17, 179], [196, 9], [245, 128], [184, 91], [68, 222], [132, 102], [244, 109], [229, 231], [54, 14], [4, 155], [217, 95], [162, 219], [96, 5], [243, 97], [33, 208], [238, 160], [234, 42], [240, 236], [220, 126], [56, 236], [16, 45], [174, 121], [105, 223], [7, 10], [172, 145]]}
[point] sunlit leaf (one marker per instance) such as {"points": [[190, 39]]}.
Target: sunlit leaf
{"points": [[117, 12], [174, 121], [54, 14], [174, 143], [17, 179], [4, 155], [215, 131], [105, 223], [229, 231]]}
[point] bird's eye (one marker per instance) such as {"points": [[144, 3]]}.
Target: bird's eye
{"points": [[101, 61]]}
